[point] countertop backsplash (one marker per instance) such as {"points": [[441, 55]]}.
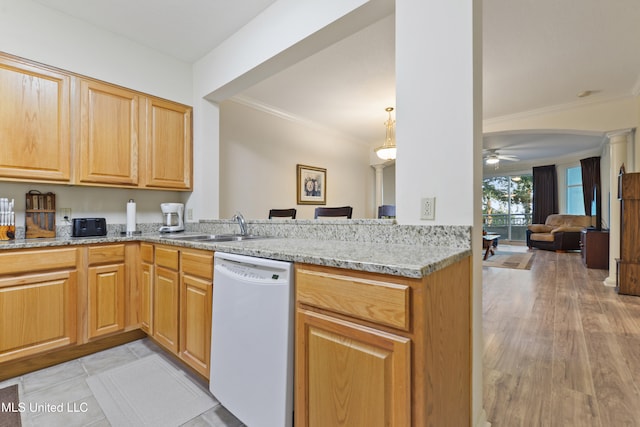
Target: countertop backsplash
{"points": [[355, 230]]}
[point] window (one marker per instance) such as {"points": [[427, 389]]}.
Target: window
{"points": [[575, 200], [507, 205]]}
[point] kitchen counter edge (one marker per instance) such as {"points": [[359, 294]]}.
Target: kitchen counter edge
{"points": [[413, 261]]}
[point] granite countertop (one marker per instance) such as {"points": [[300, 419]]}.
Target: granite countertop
{"points": [[414, 261]]}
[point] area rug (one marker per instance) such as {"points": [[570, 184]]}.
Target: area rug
{"points": [[149, 392], [9, 407], [509, 259]]}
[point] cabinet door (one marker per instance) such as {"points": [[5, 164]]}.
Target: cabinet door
{"points": [[34, 122], [146, 298], [350, 375], [165, 308], [106, 299], [108, 134], [195, 322], [37, 313], [168, 145]]}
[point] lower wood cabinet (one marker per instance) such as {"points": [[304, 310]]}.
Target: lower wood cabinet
{"points": [[146, 288], [196, 291], [38, 301], [381, 350], [181, 295], [106, 298], [166, 288], [352, 375], [195, 323]]}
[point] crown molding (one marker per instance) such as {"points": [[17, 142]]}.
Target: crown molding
{"points": [[557, 108], [285, 115]]}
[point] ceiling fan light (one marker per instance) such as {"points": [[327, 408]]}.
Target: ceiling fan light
{"points": [[387, 151], [492, 160]]}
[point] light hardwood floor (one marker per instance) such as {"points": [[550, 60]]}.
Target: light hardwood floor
{"points": [[561, 349]]}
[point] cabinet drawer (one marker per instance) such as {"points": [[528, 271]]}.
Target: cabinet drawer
{"points": [[167, 257], [368, 299], [28, 261], [106, 254], [146, 252], [198, 264]]}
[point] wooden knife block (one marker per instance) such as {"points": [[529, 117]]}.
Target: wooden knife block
{"points": [[40, 215]]}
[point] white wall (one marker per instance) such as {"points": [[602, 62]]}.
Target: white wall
{"points": [[285, 33], [92, 202], [258, 157], [435, 110], [439, 131], [35, 32]]}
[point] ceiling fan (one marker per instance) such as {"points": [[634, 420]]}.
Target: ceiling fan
{"points": [[492, 157]]}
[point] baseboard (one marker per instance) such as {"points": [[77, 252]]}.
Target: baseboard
{"points": [[14, 368]]}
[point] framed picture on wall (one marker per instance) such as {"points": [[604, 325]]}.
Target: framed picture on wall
{"points": [[312, 185]]}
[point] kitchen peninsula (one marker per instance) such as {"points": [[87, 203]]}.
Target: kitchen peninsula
{"points": [[380, 307]]}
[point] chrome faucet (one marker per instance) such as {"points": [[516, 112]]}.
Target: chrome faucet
{"points": [[243, 224]]}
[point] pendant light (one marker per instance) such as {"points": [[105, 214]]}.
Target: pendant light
{"points": [[387, 151]]}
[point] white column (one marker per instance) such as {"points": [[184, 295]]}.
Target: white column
{"points": [[618, 142]]}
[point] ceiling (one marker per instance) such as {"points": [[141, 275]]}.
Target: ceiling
{"points": [[536, 54]]}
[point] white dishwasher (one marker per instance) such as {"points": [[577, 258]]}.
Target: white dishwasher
{"points": [[252, 339]]}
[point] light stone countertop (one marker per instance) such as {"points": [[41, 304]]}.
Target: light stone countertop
{"points": [[405, 260], [394, 259]]}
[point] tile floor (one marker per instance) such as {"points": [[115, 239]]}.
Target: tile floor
{"points": [[66, 384]]}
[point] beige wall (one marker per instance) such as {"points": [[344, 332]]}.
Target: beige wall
{"points": [[258, 156]]}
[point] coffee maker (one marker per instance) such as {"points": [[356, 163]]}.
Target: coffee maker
{"points": [[172, 214]]}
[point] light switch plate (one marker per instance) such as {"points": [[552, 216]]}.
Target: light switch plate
{"points": [[428, 208]]}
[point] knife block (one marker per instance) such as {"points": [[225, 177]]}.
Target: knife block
{"points": [[40, 215]]}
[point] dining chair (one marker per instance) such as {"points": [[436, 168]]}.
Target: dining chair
{"points": [[282, 213], [344, 211], [387, 211]]}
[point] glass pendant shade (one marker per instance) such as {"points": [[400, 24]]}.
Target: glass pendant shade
{"points": [[387, 151]]}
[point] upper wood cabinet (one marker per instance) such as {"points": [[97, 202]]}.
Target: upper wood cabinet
{"points": [[129, 139], [61, 127], [108, 134], [168, 145], [34, 122]]}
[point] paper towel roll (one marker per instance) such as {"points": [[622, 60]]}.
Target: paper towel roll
{"points": [[131, 216]]}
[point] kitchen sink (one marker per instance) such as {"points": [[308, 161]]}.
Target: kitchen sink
{"points": [[216, 237]]}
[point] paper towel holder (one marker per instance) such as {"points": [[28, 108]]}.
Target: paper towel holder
{"points": [[130, 226]]}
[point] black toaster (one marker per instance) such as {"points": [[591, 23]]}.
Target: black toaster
{"points": [[85, 227]]}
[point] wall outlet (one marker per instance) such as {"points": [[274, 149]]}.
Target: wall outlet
{"points": [[64, 215], [189, 214], [428, 208]]}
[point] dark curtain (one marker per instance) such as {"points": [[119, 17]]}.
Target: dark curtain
{"points": [[545, 193], [590, 180]]}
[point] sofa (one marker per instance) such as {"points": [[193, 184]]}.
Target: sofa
{"points": [[559, 232]]}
